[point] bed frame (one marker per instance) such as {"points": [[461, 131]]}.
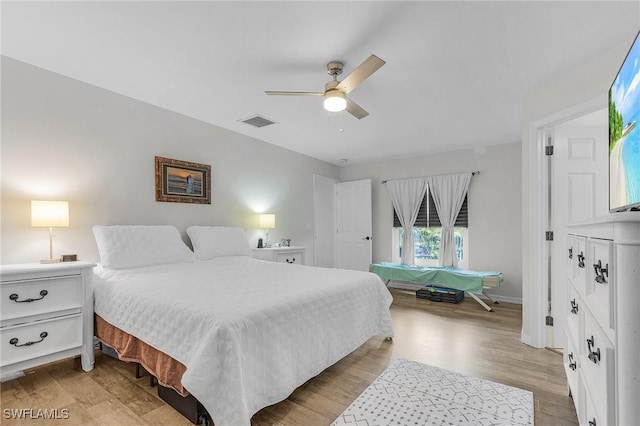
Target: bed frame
{"points": [[188, 406], [125, 347]]}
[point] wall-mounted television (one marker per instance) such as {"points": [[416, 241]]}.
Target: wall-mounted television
{"points": [[624, 134]]}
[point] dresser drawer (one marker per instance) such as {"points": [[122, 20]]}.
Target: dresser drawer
{"points": [[28, 300], [593, 417], [579, 270], [28, 341], [600, 283], [290, 257], [570, 258], [574, 307], [597, 362], [572, 366]]}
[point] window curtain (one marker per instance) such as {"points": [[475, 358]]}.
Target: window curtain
{"points": [[406, 196], [448, 192]]}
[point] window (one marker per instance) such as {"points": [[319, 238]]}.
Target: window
{"points": [[426, 235]]}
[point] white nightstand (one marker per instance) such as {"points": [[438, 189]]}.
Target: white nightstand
{"points": [[46, 314], [281, 254]]}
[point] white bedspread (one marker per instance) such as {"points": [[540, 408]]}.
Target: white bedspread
{"points": [[249, 331]]}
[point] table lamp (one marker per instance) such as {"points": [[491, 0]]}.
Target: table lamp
{"points": [[50, 214], [267, 221]]}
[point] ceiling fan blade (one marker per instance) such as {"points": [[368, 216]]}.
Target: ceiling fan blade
{"points": [[354, 109], [280, 93], [361, 73]]}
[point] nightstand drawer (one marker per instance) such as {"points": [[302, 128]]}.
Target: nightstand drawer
{"points": [[28, 341], [281, 254], [28, 300], [290, 257]]}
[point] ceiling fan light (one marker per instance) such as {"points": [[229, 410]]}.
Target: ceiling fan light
{"points": [[334, 101]]}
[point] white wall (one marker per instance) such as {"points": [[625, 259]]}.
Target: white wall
{"points": [[495, 234], [65, 139], [569, 93]]}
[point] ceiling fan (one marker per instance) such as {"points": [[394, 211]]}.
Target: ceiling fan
{"points": [[335, 92]]}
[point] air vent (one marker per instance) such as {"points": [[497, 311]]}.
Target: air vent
{"points": [[257, 121]]}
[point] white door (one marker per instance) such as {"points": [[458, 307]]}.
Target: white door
{"points": [[354, 224], [324, 223], [579, 191]]}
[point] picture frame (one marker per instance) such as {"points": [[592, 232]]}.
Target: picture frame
{"points": [[180, 181]]}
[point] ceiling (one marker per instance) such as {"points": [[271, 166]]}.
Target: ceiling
{"points": [[455, 78]]}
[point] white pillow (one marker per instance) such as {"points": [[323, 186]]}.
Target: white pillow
{"points": [[217, 241], [131, 246]]}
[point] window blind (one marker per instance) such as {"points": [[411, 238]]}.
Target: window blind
{"points": [[428, 215]]}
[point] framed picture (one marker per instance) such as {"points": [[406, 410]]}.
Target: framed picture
{"points": [[182, 182]]}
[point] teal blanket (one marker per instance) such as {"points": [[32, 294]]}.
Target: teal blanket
{"points": [[443, 276]]}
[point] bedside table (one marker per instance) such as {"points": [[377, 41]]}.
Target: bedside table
{"points": [[46, 314], [281, 254]]}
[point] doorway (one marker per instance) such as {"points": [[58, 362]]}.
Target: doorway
{"points": [[578, 191], [324, 221], [536, 293], [342, 223]]}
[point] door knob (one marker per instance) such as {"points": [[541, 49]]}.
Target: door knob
{"points": [[367, 238]]}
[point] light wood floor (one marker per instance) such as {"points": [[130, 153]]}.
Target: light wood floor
{"points": [[463, 338]]}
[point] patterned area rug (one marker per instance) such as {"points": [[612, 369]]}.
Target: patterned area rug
{"points": [[410, 393]]}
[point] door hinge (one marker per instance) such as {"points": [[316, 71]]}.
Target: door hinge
{"points": [[548, 150], [549, 320], [548, 235]]}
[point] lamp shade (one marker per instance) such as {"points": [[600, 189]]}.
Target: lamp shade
{"points": [[267, 221], [334, 101], [49, 213]]}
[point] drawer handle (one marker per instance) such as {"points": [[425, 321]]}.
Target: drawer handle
{"points": [[14, 341], [581, 260], [592, 422], [570, 252], [601, 272], [574, 307], [293, 260], [572, 364], [593, 355], [14, 297]]}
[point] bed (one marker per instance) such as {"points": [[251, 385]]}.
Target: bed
{"points": [[472, 282], [248, 332]]}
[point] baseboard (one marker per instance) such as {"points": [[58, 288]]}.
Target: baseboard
{"points": [[494, 297], [505, 299], [11, 376]]}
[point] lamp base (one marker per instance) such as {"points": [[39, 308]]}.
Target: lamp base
{"points": [[49, 260]]}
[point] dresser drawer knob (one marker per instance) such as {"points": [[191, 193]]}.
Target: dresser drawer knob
{"points": [[15, 340], [15, 297], [574, 307], [572, 364], [593, 355], [293, 260], [581, 260], [601, 272]]}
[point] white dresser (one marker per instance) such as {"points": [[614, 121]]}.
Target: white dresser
{"points": [[46, 314], [602, 357], [281, 254]]}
